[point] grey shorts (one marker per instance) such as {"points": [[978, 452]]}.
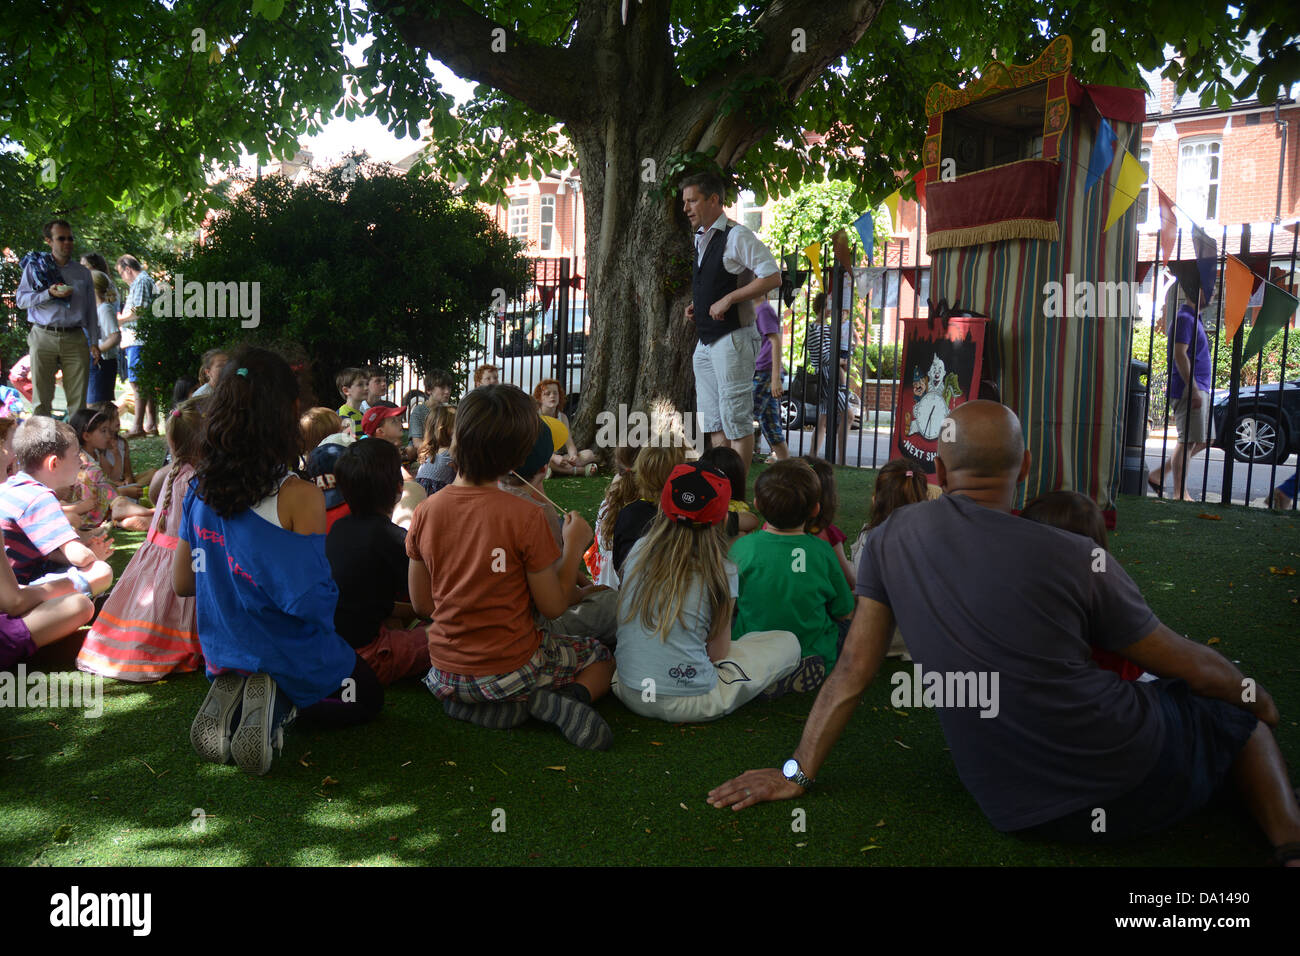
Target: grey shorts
{"points": [[724, 382], [1192, 423]]}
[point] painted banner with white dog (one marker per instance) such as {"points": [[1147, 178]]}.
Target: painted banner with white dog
{"points": [[941, 368]]}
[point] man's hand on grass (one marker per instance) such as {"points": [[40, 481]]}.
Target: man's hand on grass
{"points": [[754, 786]]}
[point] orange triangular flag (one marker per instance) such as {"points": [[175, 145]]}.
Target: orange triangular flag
{"points": [[1237, 282], [1168, 226]]}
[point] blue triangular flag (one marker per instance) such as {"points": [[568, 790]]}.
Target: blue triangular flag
{"points": [[1103, 153], [866, 227]]}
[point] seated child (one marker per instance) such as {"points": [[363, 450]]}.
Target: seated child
{"points": [[376, 388], [39, 542], [438, 385], [115, 461], [352, 383], [482, 562], [592, 608], [485, 375], [252, 552], [639, 502], [599, 558], [437, 470], [33, 616], [383, 421], [824, 524], [1079, 514], [319, 423], [367, 556], [567, 460], [789, 579], [210, 366], [676, 658], [145, 631], [93, 497], [900, 482], [740, 520]]}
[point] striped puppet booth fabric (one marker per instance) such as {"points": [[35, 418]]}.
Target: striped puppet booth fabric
{"points": [[1014, 236]]}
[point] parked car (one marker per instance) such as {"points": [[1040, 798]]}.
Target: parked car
{"points": [[799, 403], [1261, 433], [525, 348]]}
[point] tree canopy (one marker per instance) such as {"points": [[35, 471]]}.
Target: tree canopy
{"points": [[130, 102], [352, 271]]}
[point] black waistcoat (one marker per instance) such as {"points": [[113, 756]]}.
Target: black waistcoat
{"points": [[710, 281]]}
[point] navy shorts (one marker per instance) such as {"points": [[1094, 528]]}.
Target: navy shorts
{"points": [[1202, 740], [132, 355]]}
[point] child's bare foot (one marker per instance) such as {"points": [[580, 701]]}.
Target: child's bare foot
{"points": [[135, 523]]}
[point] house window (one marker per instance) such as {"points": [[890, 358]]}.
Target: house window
{"points": [[1198, 178], [548, 223], [519, 217], [751, 214], [1143, 202]]}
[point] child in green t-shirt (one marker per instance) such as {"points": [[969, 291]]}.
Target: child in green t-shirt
{"points": [[789, 579]]}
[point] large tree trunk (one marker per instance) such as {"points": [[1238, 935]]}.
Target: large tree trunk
{"points": [[638, 285]]}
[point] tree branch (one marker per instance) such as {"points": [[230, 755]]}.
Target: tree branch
{"points": [[550, 80]]}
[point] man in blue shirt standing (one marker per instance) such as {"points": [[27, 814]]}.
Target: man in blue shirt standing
{"points": [[57, 292], [1189, 385]]}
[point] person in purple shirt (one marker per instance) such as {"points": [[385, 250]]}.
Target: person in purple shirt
{"points": [[767, 381], [59, 297], [1189, 385]]}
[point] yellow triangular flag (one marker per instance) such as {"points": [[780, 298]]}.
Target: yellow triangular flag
{"points": [[814, 254], [891, 203], [1131, 178]]}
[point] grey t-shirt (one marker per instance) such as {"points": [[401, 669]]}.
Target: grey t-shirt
{"points": [[680, 665], [978, 590]]}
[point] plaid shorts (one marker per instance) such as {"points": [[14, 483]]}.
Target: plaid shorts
{"points": [[767, 409], [555, 663]]}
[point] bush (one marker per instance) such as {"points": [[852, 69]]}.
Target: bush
{"points": [[351, 271]]}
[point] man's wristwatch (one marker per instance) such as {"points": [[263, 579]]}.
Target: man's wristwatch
{"points": [[790, 770]]}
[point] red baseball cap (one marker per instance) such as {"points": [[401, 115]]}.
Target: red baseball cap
{"points": [[696, 495], [376, 414]]}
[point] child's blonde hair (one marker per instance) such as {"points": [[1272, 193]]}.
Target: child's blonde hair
{"points": [[317, 424], [184, 430], [104, 287], [670, 559], [649, 474], [439, 427]]}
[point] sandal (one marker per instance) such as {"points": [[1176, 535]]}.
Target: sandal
{"points": [[590, 469], [1159, 489]]}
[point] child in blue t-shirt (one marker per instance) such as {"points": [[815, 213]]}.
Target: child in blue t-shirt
{"points": [[252, 551]]}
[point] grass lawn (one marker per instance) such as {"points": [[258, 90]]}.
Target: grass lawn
{"points": [[419, 788]]}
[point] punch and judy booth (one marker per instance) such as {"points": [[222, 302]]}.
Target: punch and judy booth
{"points": [[1016, 235]]}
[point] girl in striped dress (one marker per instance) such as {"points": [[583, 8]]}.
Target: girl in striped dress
{"points": [[144, 631]]}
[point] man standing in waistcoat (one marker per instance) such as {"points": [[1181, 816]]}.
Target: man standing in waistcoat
{"points": [[732, 269]]}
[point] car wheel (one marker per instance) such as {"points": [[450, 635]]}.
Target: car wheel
{"points": [[1256, 438], [791, 414]]}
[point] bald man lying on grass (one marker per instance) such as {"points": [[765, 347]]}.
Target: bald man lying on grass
{"points": [[988, 600]]}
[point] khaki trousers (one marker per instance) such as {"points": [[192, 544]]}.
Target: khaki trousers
{"points": [[52, 349]]}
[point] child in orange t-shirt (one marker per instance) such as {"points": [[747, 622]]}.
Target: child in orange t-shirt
{"points": [[481, 559]]}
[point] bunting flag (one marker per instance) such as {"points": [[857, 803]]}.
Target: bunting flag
{"points": [[866, 227], [1237, 282], [1207, 254], [1257, 297], [814, 254], [1103, 154], [1168, 226], [1143, 269], [1189, 278], [547, 292], [1131, 178], [1277, 310], [891, 203], [919, 179]]}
